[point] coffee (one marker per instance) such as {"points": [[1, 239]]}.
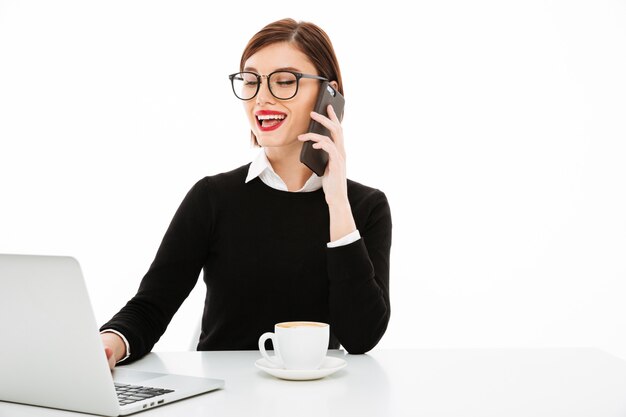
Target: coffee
{"points": [[292, 324], [300, 345]]}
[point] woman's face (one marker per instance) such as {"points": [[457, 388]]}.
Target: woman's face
{"points": [[289, 118]]}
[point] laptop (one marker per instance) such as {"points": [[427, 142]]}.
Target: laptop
{"points": [[51, 353]]}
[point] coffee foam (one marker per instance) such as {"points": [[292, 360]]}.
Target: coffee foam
{"points": [[293, 324]]}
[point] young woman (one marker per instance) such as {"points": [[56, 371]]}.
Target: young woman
{"points": [[277, 242]]}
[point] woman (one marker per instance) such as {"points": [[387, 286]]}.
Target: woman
{"points": [[277, 243]]}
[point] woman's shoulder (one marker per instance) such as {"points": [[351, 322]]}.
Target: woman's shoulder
{"points": [[361, 194], [215, 186], [360, 190], [235, 177]]}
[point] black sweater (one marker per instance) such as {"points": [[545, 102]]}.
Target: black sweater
{"points": [[265, 261]]}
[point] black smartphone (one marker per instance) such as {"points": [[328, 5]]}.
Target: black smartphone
{"points": [[317, 159]]}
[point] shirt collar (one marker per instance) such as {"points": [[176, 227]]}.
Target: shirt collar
{"points": [[258, 165], [261, 167]]}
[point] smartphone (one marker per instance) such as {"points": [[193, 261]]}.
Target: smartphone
{"points": [[317, 159]]}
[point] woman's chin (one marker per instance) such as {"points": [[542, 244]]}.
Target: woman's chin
{"points": [[268, 141]]}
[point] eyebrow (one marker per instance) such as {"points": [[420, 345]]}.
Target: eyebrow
{"points": [[252, 69]]}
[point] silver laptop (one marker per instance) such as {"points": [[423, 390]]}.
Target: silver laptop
{"points": [[51, 353]]}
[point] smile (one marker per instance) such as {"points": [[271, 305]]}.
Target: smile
{"points": [[269, 120]]}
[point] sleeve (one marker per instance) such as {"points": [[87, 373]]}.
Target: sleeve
{"points": [[359, 282], [346, 240], [171, 277]]}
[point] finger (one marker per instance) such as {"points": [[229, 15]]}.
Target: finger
{"points": [[321, 139], [332, 115], [331, 148], [336, 130], [110, 358], [338, 137], [315, 137], [333, 126]]}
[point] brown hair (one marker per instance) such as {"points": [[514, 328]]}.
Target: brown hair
{"points": [[308, 38]]}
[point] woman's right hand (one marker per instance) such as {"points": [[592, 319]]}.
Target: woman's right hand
{"points": [[114, 347]]}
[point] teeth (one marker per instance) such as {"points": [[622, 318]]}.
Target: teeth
{"points": [[271, 116]]}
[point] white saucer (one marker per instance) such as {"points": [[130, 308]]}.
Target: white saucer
{"points": [[329, 366]]}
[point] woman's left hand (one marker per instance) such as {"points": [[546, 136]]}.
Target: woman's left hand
{"points": [[334, 181]]}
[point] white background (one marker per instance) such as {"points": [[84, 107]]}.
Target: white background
{"points": [[496, 129]]}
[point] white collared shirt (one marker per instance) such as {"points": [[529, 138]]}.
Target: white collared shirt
{"points": [[262, 168]]}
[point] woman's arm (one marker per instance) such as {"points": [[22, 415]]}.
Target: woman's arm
{"points": [[358, 272], [359, 281], [171, 277]]}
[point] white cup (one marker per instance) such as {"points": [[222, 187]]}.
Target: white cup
{"points": [[298, 344]]}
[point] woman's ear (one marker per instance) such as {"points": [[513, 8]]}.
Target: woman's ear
{"points": [[334, 85]]}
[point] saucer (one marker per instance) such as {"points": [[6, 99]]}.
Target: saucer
{"points": [[329, 366]]}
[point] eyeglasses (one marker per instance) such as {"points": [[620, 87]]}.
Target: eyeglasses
{"points": [[282, 84]]}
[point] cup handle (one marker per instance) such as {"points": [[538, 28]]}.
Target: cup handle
{"points": [[262, 339]]}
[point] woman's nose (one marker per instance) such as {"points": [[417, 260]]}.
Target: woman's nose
{"points": [[264, 95]]}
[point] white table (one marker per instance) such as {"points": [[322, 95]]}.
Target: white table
{"points": [[415, 382]]}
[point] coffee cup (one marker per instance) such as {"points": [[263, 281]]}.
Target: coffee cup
{"points": [[300, 345]]}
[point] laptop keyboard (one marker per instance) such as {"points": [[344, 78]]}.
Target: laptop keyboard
{"points": [[128, 394]]}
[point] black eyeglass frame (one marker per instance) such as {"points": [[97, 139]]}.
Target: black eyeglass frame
{"points": [[298, 75]]}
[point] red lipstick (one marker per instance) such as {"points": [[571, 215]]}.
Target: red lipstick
{"points": [[269, 120]]}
